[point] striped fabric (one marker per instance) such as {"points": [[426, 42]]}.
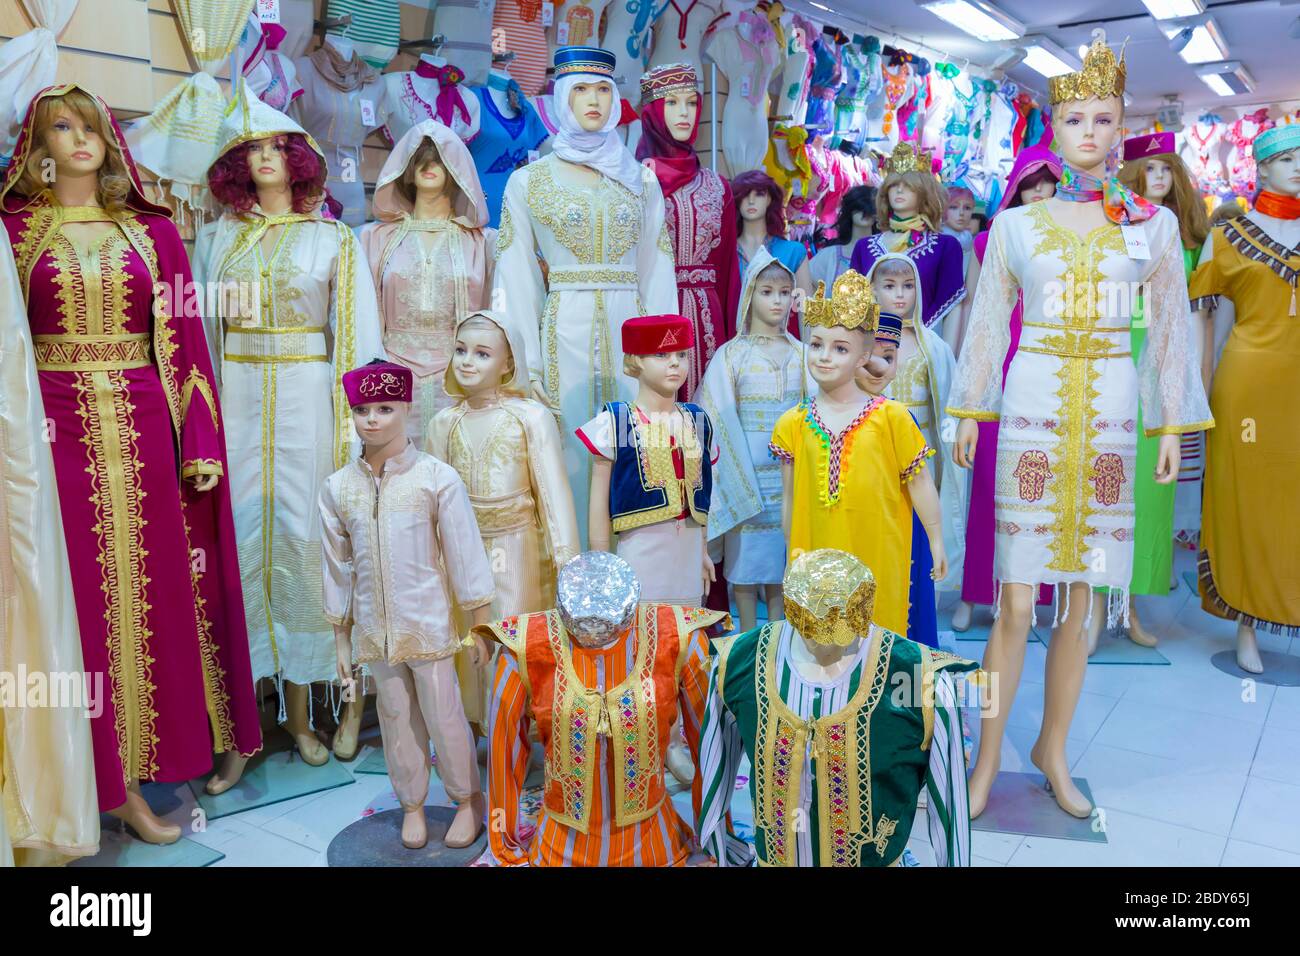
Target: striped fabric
{"points": [[376, 28], [662, 840], [526, 39]]}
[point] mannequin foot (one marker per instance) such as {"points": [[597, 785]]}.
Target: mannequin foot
{"points": [[137, 814], [961, 616], [680, 764], [232, 768], [979, 786], [346, 737], [1248, 658], [313, 752], [1098, 622], [415, 832], [467, 824], [1136, 632], [1068, 797]]}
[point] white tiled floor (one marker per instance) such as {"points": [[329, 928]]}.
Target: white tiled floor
{"points": [[1189, 765]]}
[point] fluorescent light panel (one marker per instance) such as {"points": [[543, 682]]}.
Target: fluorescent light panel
{"points": [[1170, 9], [981, 20], [1227, 79], [1205, 46], [1045, 62], [1215, 82]]}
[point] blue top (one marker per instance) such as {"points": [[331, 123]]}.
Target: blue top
{"points": [[502, 146], [789, 253]]}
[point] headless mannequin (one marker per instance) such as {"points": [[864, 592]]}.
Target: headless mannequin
{"points": [[679, 32], [581, 20], [426, 89], [275, 197], [1276, 178], [1084, 144]]}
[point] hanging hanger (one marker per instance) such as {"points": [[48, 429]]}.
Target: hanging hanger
{"points": [[326, 25], [433, 45]]}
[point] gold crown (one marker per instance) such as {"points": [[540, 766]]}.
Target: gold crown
{"points": [[829, 596], [1102, 75], [906, 158], [851, 304]]}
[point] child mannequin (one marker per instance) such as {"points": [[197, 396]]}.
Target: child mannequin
{"points": [[750, 381], [848, 458], [507, 450], [398, 512]]}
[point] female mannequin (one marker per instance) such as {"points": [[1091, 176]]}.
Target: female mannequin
{"points": [[1033, 179], [679, 32], [856, 220], [597, 218], [957, 218], [430, 257], [760, 224], [911, 202], [697, 210], [1248, 530], [1152, 170], [1204, 137], [128, 388], [289, 425], [747, 53], [1070, 472], [431, 91]]}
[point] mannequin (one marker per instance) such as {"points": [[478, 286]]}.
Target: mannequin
{"points": [[1241, 160], [855, 220], [399, 545], [679, 32], [602, 678], [432, 91], [1201, 147], [1153, 171], [796, 75], [430, 256], [1073, 366], [760, 224], [343, 100], [629, 27], [957, 218], [128, 387], [465, 23], [1249, 264], [576, 23], [910, 203], [597, 217], [802, 698], [510, 131], [270, 73], [507, 450], [697, 211], [1033, 179], [288, 424], [747, 53]]}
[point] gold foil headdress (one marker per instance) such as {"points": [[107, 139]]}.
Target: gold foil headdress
{"points": [[1102, 75], [851, 304], [829, 596], [907, 158]]}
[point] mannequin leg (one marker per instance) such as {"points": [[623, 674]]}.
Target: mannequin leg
{"points": [[1067, 660], [139, 816], [961, 616], [1004, 659], [1136, 632], [746, 605], [346, 736], [444, 717], [1248, 658], [1096, 625], [313, 752], [774, 595], [228, 774]]}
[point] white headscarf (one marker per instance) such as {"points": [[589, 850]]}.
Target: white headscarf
{"points": [[603, 151]]}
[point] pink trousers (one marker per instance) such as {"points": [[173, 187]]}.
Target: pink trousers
{"points": [[419, 701]]}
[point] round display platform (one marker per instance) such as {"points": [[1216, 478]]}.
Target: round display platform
{"points": [[377, 841], [1280, 670]]}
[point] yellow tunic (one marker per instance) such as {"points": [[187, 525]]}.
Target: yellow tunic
{"points": [[850, 492]]}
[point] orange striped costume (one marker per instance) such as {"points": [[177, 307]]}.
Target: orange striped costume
{"points": [[605, 802]]}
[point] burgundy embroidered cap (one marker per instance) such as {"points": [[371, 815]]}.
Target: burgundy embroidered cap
{"points": [[649, 334], [379, 381], [1148, 144]]}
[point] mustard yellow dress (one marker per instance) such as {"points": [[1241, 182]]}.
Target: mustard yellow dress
{"points": [[850, 492]]}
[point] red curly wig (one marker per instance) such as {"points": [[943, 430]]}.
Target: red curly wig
{"points": [[757, 181], [232, 183]]}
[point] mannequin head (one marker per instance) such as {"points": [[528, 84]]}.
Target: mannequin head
{"points": [[379, 423], [857, 214], [960, 210], [271, 163], [882, 365], [481, 360], [681, 112], [1084, 131], [758, 198], [1280, 173], [379, 394], [661, 372], [596, 594], [592, 101], [908, 194], [426, 176], [1164, 180], [893, 282], [657, 352], [769, 307], [73, 140], [829, 596], [1037, 186], [837, 355]]}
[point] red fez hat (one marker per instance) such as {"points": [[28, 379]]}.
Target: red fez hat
{"points": [[650, 334], [378, 381], [1148, 144]]}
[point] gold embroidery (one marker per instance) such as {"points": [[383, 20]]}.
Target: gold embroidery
{"points": [[656, 470], [201, 466], [345, 342], [215, 696], [592, 276], [197, 380], [92, 353], [506, 232]]}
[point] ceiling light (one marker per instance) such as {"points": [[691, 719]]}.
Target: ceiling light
{"points": [[1083, 50], [1169, 9], [1008, 58], [980, 19], [1215, 82], [1203, 44], [1045, 57], [1227, 79]]}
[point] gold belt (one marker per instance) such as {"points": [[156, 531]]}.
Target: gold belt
{"points": [[276, 344], [92, 353], [501, 513], [584, 277], [1072, 353]]}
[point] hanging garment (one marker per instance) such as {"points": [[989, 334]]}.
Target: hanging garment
{"points": [[503, 145], [526, 39], [375, 30], [747, 54], [468, 44]]}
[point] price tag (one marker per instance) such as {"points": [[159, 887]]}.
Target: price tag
{"points": [[268, 11], [562, 34], [745, 86], [368, 114], [548, 13], [1135, 241]]}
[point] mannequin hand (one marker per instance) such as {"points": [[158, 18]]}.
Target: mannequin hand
{"points": [[344, 666], [205, 482], [939, 557], [479, 654], [963, 449], [710, 575], [1170, 459]]}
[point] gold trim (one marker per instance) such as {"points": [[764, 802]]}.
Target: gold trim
{"points": [[275, 359], [202, 466], [92, 353], [974, 414], [197, 380], [1180, 429]]}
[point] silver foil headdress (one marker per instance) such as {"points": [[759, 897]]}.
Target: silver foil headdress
{"points": [[597, 594]]}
